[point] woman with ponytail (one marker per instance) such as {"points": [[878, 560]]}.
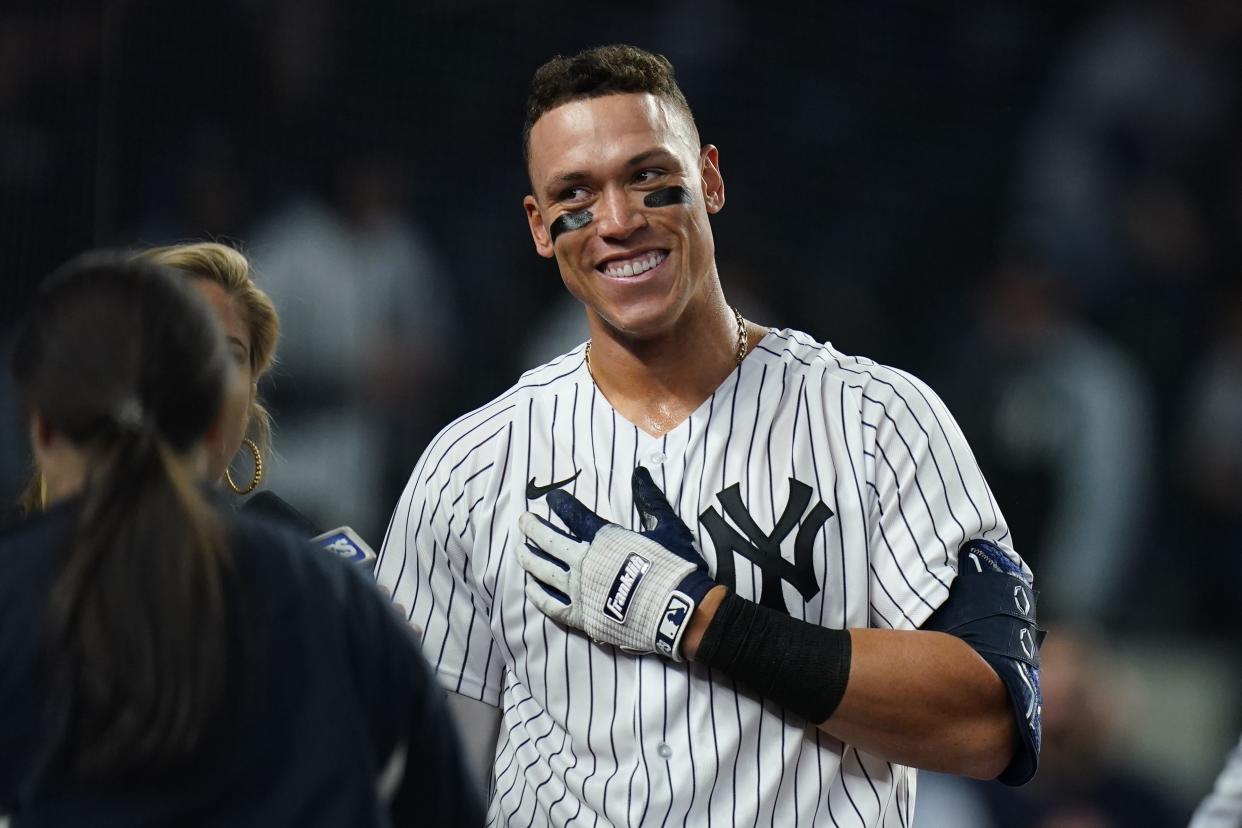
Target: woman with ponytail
{"points": [[164, 661]]}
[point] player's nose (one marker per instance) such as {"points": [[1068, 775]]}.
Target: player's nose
{"points": [[618, 214]]}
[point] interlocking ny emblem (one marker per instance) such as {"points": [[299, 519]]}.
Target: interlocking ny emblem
{"points": [[764, 550]]}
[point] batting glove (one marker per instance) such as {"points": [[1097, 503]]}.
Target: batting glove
{"points": [[636, 590]]}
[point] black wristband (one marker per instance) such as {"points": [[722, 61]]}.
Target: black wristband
{"points": [[801, 666]]}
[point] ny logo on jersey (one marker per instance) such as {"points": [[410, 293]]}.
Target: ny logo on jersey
{"points": [[764, 549]]}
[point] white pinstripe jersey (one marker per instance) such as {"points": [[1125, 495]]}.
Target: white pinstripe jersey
{"points": [[853, 472]]}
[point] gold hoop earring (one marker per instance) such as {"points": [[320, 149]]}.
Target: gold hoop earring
{"points": [[258, 470]]}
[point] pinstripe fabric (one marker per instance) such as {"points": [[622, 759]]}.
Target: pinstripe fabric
{"points": [[592, 736], [1222, 808]]}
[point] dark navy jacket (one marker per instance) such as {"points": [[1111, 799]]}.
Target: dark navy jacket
{"points": [[331, 684]]}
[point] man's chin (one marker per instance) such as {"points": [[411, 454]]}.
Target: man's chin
{"points": [[639, 322]]}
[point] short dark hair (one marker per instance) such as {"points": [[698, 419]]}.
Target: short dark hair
{"points": [[603, 70]]}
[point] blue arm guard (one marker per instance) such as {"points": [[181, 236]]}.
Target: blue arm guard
{"points": [[991, 606]]}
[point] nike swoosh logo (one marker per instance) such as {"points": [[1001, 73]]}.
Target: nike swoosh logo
{"points": [[534, 492]]}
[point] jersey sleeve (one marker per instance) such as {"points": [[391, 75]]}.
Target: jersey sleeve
{"points": [[428, 563], [927, 498]]}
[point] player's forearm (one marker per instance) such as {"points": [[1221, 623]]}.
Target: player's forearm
{"points": [[918, 698], [703, 615], [925, 699]]}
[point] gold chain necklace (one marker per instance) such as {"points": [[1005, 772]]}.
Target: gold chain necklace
{"points": [[741, 343]]}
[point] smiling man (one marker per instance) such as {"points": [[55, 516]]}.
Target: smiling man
{"points": [[707, 571]]}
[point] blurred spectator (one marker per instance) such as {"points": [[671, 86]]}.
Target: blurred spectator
{"points": [[1081, 783], [1211, 466], [1118, 157], [369, 330], [1060, 418], [1207, 432]]}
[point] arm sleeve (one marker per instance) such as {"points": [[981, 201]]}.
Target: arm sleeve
{"points": [[428, 559], [927, 498]]}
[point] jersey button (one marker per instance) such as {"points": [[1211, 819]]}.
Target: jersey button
{"points": [[664, 750], [657, 458]]}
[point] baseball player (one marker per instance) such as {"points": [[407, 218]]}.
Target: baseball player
{"points": [[709, 573]]}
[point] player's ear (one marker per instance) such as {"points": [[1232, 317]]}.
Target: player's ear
{"points": [[538, 231], [713, 183]]}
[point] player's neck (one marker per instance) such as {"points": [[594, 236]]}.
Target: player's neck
{"points": [[657, 382]]}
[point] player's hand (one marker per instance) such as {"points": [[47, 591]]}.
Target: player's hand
{"points": [[635, 590]]}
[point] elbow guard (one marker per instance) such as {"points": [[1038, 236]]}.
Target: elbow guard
{"points": [[991, 606]]}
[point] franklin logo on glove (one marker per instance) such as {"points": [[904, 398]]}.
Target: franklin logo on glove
{"points": [[628, 579]]}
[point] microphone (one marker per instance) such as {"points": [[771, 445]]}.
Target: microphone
{"points": [[345, 543], [342, 541]]}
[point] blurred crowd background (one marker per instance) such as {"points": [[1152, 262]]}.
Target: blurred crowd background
{"points": [[1035, 206]]}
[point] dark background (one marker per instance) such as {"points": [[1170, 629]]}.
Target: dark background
{"points": [[1035, 206]]}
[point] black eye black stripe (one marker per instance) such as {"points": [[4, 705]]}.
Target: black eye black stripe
{"points": [[668, 197], [570, 221]]}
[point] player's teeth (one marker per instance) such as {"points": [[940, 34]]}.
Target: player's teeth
{"points": [[636, 267]]}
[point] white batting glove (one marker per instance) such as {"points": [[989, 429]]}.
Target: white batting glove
{"points": [[635, 590]]}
